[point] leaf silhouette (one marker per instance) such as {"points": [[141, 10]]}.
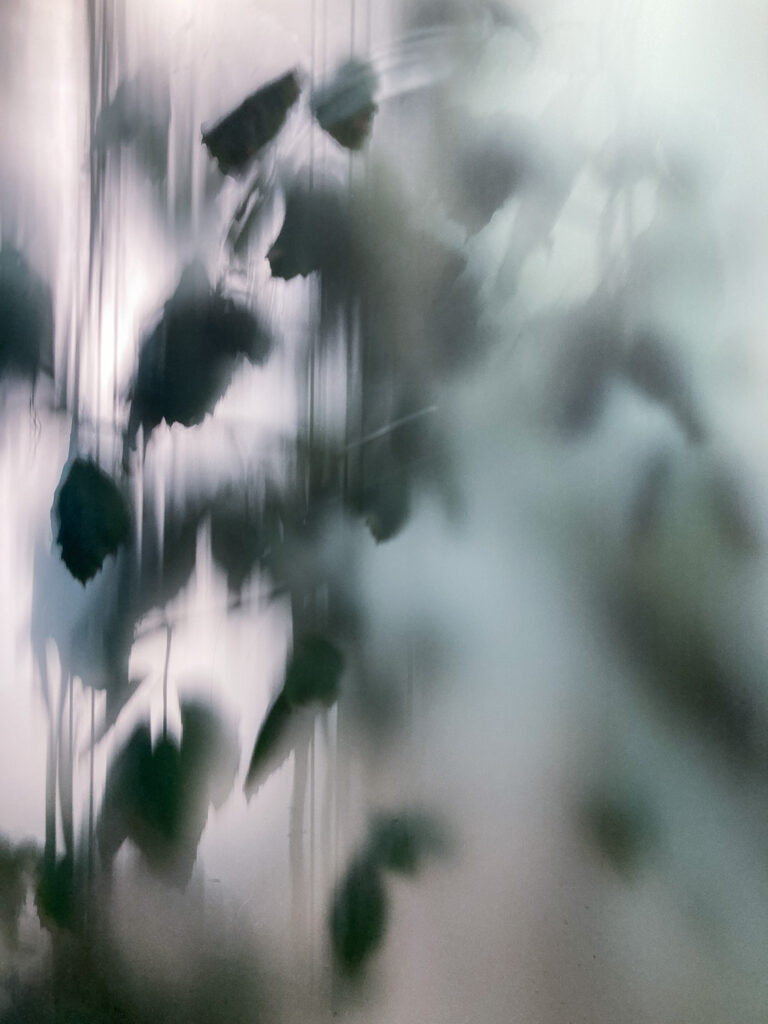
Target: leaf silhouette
{"points": [[138, 115], [26, 318], [312, 676], [345, 106], [401, 842], [314, 671], [240, 136], [93, 519], [17, 865], [273, 745], [187, 362], [158, 796], [359, 914]]}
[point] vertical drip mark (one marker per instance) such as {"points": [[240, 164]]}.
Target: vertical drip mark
{"points": [[296, 841], [312, 855], [116, 287], [169, 632], [90, 788], [49, 854], [65, 762]]}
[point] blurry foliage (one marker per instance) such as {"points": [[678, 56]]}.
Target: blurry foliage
{"points": [[416, 310], [93, 517]]}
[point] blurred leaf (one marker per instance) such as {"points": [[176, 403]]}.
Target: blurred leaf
{"points": [[734, 511], [647, 506], [93, 519], [622, 827], [210, 752], [314, 236], [26, 318], [652, 366], [158, 796], [187, 362], [314, 671], [382, 495], [312, 676], [56, 897], [586, 368], [237, 138], [273, 745], [345, 106], [359, 915], [138, 115], [17, 866], [683, 671], [403, 841], [243, 530]]}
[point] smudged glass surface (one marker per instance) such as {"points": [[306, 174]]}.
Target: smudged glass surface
{"points": [[383, 538]]}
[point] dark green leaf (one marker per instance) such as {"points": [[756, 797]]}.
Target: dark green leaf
{"points": [[358, 916], [93, 519], [26, 318], [345, 106], [402, 842], [272, 745], [187, 362], [237, 138], [314, 671]]}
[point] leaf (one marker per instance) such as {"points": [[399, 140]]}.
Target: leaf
{"points": [[312, 676], [158, 796], [345, 106], [187, 362], [654, 369], [243, 529], [138, 115], [384, 502], [273, 745], [240, 136], [315, 236], [17, 864], [622, 827], [210, 752], [359, 915], [56, 898], [401, 842], [26, 318], [93, 519], [314, 671], [586, 368]]}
